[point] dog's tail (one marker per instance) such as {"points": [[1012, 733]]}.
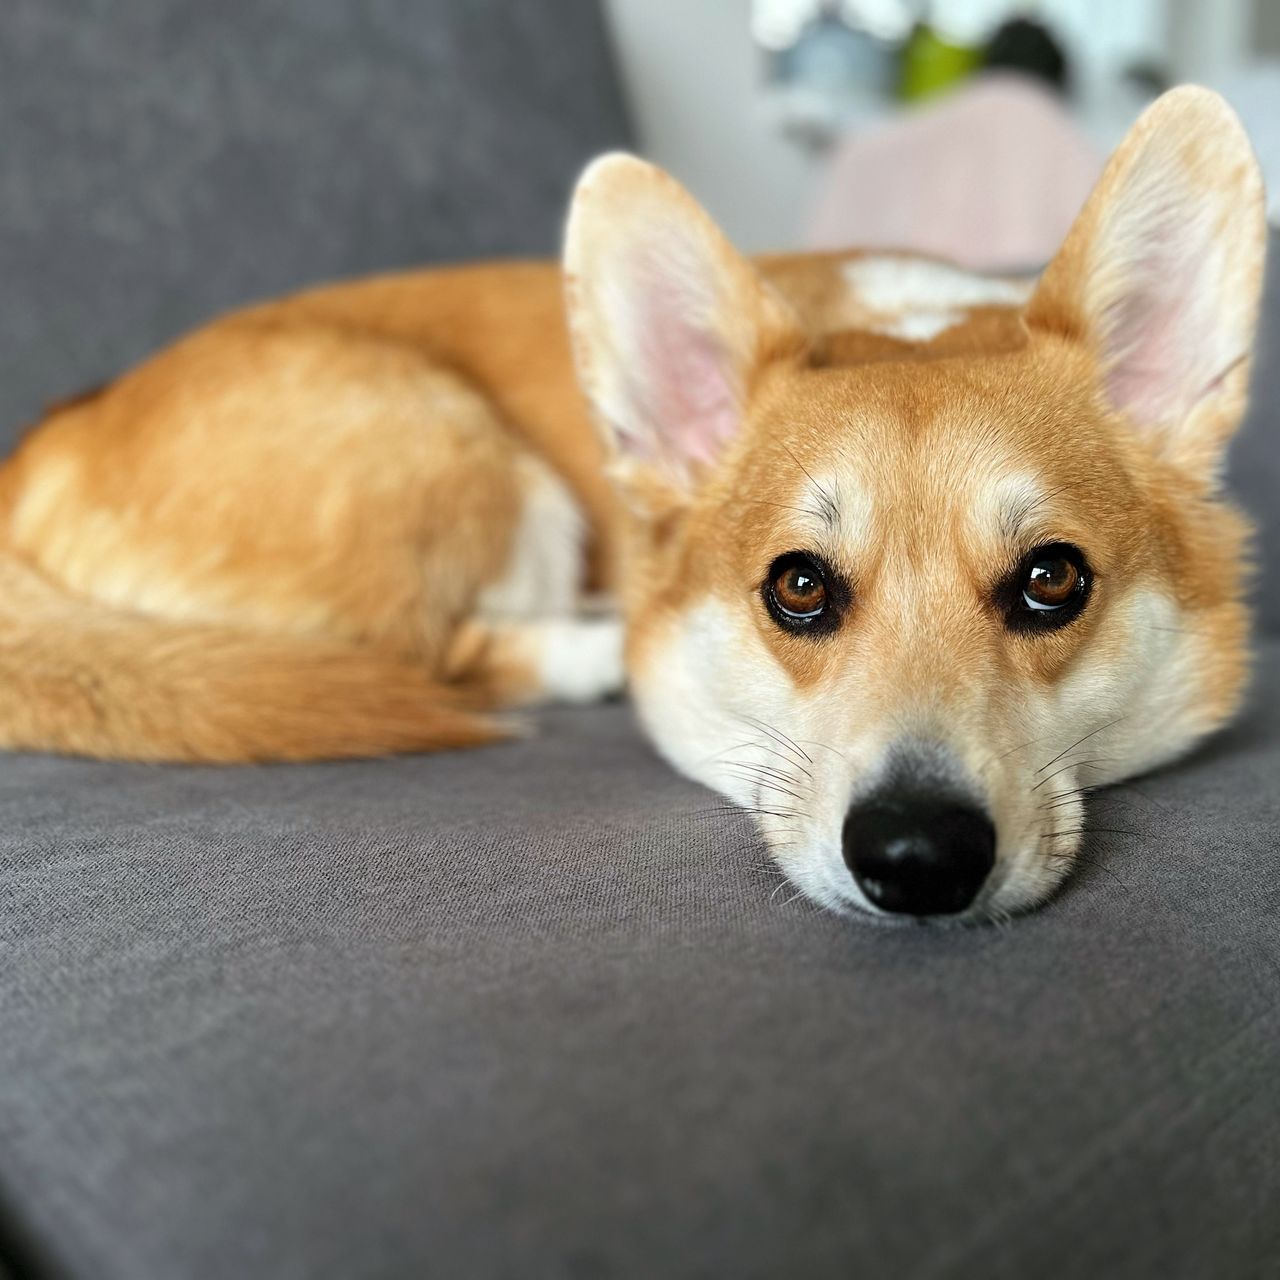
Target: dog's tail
{"points": [[87, 679]]}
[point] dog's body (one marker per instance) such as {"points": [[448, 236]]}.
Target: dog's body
{"points": [[889, 539], [292, 514]]}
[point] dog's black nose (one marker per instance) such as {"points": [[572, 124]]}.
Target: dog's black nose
{"points": [[919, 854]]}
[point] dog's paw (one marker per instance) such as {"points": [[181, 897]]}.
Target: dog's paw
{"points": [[581, 659]]}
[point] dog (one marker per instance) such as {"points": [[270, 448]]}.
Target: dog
{"points": [[907, 559]]}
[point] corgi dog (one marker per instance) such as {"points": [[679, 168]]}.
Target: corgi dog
{"points": [[906, 559]]}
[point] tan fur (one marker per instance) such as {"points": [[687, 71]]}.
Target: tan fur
{"points": [[89, 680], [338, 466], [286, 536]]}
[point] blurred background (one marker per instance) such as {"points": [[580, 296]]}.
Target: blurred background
{"points": [[969, 128]]}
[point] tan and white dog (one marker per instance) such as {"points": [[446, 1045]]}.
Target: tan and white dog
{"points": [[908, 558]]}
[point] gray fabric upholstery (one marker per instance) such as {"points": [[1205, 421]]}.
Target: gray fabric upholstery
{"points": [[166, 160], [537, 1011]]}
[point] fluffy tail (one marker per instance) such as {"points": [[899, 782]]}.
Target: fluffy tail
{"points": [[85, 679]]}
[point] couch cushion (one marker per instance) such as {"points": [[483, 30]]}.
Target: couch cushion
{"points": [[543, 1010], [164, 161]]}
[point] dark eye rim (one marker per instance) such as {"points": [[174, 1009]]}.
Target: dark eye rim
{"points": [[822, 621], [1019, 615]]}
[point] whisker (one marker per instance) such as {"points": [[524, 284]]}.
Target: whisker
{"points": [[1004, 755], [828, 501], [1133, 786], [1106, 831], [764, 770], [1110, 724], [762, 746], [781, 506], [784, 506], [1073, 764], [1081, 858], [778, 736], [744, 768], [1102, 866], [792, 742], [1035, 504], [1063, 801], [761, 785], [720, 811], [1071, 793]]}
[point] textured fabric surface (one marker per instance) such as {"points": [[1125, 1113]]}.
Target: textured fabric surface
{"points": [[539, 1011], [165, 160]]}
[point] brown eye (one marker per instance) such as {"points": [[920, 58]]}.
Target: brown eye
{"points": [[1049, 588], [1051, 583], [799, 593], [796, 591]]}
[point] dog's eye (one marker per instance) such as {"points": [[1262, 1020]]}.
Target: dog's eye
{"points": [[799, 592], [796, 591], [1052, 583]]}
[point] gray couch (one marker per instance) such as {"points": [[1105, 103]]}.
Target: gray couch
{"points": [[537, 1011]]}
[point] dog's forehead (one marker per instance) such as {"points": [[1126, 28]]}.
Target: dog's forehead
{"points": [[986, 452], [991, 494]]}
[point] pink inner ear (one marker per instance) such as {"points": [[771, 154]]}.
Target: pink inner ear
{"points": [[682, 374], [690, 397], [1162, 336]]}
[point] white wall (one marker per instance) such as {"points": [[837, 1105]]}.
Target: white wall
{"points": [[691, 76]]}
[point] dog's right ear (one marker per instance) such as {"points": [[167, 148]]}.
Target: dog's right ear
{"points": [[670, 324], [1159, 277]]}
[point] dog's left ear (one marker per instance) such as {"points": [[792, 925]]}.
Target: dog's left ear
{"points": [[1161, 273], [670, 324]]}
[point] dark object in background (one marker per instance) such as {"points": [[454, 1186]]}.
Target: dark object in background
{"points": [[1148, 79], [1022, 44]]}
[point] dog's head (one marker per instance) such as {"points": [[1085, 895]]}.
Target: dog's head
{"points": [[907, 601]]}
